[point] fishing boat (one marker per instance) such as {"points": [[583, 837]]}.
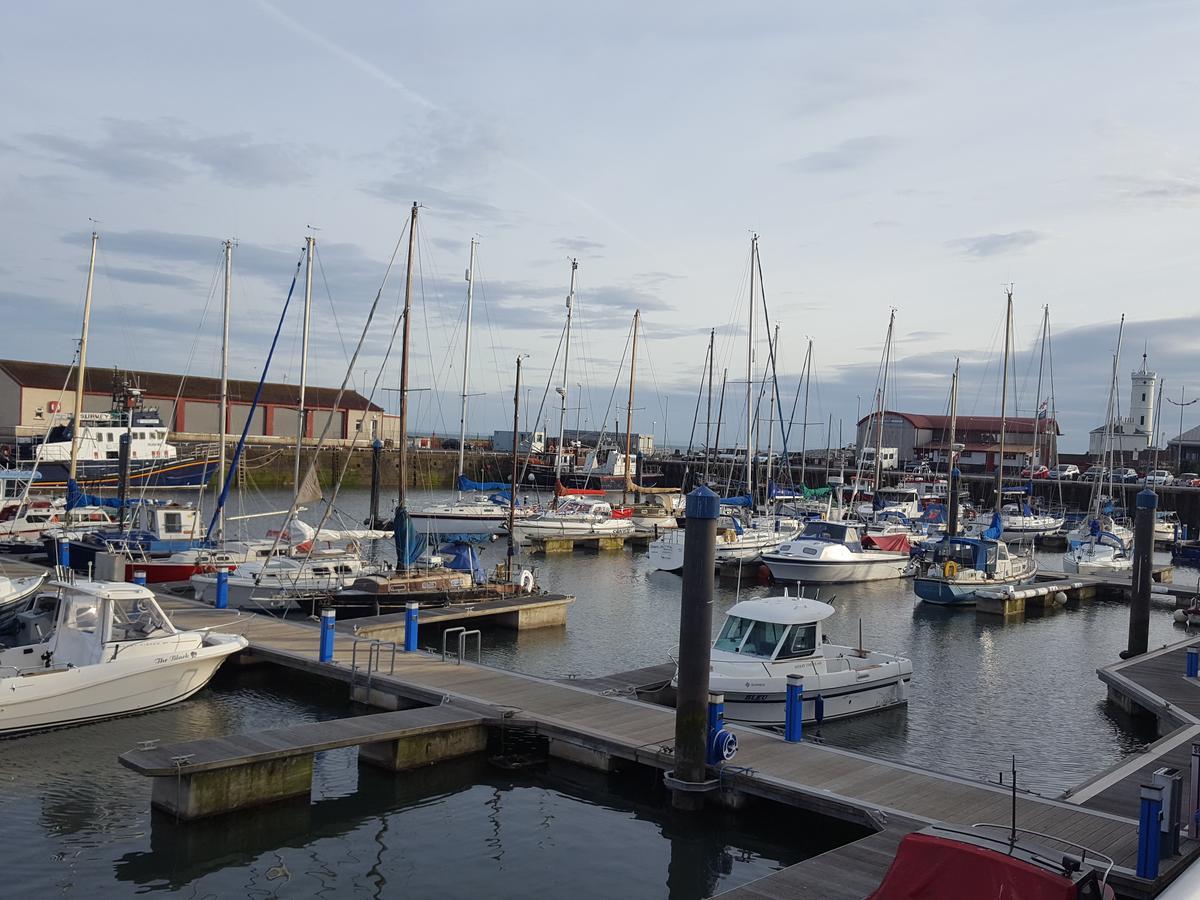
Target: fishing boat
{"points": [[153, 461], [838, 552], [152, 528], [764, 641], [1101, 554], [95, 649], [959, 566]]}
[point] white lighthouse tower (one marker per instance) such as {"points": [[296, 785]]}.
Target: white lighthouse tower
{"points": [[1141, 402]]}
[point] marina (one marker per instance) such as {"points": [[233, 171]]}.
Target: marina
{"points": [[479, 451]]}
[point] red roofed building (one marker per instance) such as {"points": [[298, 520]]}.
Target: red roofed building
{"points": [[918, 436]]}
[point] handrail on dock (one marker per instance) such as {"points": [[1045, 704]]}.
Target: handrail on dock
{"points": [[375, 647], [459, 629]]}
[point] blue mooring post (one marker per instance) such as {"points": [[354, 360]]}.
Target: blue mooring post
{"points": [[1148, 831], [410, 626], [139, 577], [1193, 662], [722, 744], [222, 598], [64, 553], [793, 711], [328, 621]]}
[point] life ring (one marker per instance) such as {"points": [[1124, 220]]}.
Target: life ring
{"points": [[527, 583], [949, 569]]}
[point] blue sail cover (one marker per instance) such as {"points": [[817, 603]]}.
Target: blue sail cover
{"points": [[935, 513], [77, 498], [410, 543], [995, 529], [466, 484], [743, 500], [463, 558]]}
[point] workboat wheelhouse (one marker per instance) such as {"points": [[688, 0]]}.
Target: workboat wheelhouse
{"points": [[764, 641]]}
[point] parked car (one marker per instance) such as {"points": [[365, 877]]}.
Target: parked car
{"points": [[1035, 472], [918, 468], [1064, 472], [1124, 475], [1188, 479], [1095, 473], [1158, 476]]}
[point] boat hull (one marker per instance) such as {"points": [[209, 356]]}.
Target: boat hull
{"points": [[768, 709], [787, 568], [941, 592], [150, 473], [138, 684]]}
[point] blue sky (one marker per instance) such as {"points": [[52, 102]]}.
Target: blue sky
{"points": [[888, 157]]}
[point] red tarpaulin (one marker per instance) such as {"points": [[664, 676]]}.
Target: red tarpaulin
{"points": [[897, 543], [927, 867], [622, 512], [562, 491]]}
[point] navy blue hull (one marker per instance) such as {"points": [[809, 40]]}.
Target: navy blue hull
{"points": [[92, 474], [943, 592]]}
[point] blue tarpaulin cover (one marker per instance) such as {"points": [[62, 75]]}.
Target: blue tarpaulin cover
{"points": [[466, 484], [463, 558], [410, 543], [995, 529]]}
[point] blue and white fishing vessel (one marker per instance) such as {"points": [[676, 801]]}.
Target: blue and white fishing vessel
{"points": [[153, 461]]}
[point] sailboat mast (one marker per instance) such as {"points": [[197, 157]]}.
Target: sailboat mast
{"points": [[887, 363], [750, 376], [462, 415], [562, 415], [804, 424], [402, 464], [81, 373], [720, 416], [516, 474], [771, 413], [223, 405], [1008, 312], [952, 524], [637, 316], [708, 418], [1037, 408], [310, 244]]}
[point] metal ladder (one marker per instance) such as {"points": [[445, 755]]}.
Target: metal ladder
{"points": [[463, 634], [374, 663]]}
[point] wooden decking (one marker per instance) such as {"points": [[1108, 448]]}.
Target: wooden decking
{"points": [[209, 754]]}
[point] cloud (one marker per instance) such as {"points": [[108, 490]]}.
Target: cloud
{"points": [[578, 244], [656, 277], [164, 151], [849, 154], [1162, 190], [986, 245], [147, 276]]}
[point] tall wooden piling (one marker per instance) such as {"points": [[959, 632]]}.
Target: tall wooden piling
{"points": [[1143, 571]]}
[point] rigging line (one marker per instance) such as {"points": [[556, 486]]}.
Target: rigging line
{"points": [[212, 290], [329, 295], [654, 379], [316, 451], [532, 427], [696, 414], [774, 368], [616, 383], [237, 451]]}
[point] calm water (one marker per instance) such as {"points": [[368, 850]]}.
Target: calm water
{"points": [[982, 690], [76, 823]]}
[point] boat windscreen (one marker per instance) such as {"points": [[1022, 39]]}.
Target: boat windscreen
{"points": [[732, 635], [764, 637]]}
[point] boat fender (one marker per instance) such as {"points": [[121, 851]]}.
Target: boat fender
{"points": [[950, 569], [1179, 616], [527, 583], [1060, 599]]}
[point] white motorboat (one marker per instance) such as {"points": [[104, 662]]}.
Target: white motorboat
{"points": [[1102, 554], [1167, 527], [574, 518], [764, 641], [14, 592], [735, 541], [28, 521], [833, 553], [276, 583], [90, 650]]}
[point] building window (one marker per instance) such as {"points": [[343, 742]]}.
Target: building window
{"points": [[1142, 419], [1143, 396]]}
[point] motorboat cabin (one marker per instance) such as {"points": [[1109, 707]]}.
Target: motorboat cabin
{"points": [[764, 641]]}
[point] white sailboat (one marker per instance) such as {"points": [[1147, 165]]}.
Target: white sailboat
{"points": [[90, 650]]}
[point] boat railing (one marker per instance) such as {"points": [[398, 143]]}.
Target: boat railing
{"points": [[1084, 852]]}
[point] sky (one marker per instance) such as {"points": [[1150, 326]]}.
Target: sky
{"points": [[917, 159]]}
